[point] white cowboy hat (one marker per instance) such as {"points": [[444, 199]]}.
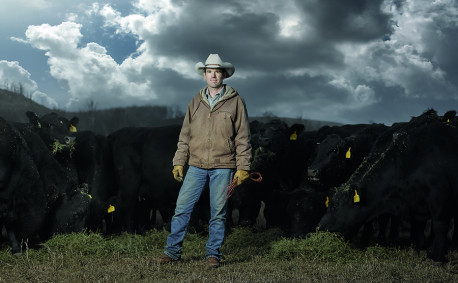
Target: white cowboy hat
{"points": [[213, 61]]}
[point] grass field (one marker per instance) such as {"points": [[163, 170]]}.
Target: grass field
{"points": [[249, 257]]}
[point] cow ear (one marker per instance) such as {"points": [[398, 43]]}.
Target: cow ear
{"points": [[449, 115], [297, 127], [74, 121], [33, 119]]}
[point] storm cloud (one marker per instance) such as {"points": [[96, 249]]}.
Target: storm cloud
{"points": [[345, 61]]}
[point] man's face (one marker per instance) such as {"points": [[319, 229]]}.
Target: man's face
{"points": [[214, 77]]}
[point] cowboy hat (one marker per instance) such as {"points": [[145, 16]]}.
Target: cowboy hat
{"points": [[213, 61]]}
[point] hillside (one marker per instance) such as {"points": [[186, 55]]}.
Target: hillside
{"points": [[13, 107]]}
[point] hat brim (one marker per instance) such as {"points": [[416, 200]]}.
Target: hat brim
{"points": [[200, 67]]}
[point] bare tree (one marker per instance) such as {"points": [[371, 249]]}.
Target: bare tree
{"points": [[91, 105], [21, 89]]}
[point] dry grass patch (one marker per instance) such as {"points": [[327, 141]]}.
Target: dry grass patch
{"points": [[249, 257]]}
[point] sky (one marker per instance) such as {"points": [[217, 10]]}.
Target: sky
{"points": [[346, 61]]}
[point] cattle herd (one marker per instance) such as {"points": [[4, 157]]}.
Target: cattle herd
{"points": [[370, 182]]}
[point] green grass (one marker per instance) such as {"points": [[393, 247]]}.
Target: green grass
{"points": [[248, 257]]}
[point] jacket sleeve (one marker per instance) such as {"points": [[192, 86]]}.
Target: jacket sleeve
{"points": [[182, 154], [242, 138]]}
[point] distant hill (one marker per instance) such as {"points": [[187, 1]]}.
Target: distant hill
{"points": [[13, 107]]}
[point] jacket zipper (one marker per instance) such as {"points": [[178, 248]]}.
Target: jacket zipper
{"points": [[209, 140]]}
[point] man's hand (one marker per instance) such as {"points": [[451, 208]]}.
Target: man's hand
{"points": [[241, 176], [178, 173]]}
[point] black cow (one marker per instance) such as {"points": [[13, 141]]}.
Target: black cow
{"points": [[91, 162], [142, 161], [304, 209], [279, 154], [67, 203], [23, 197], [414, 178], [333, 160], [337, 158], [85, 158], [36, 190], [53, 128]]}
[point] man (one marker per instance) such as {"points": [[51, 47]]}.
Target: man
{"points": [[215, 142]]}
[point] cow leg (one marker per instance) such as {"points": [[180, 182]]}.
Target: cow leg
{"points": [[417, 233], [249, 213], [143, 214], [14, 243], [128, 206], [393, 232], [383, 221], [440, 229], [455, 233]]}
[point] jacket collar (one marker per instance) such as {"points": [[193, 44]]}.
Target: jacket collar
{"points": [[230, 92]]}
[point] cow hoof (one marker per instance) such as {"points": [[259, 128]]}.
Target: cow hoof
{"points": [[18, 254], [439, 263], [436, 261]]}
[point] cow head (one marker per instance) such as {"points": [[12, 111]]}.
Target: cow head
{"points": [[72, 213], [54, 130], [329, 155], [304, 209]]}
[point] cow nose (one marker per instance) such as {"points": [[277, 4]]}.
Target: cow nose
{"points": [[312, 172], [264, 141], [69, 140]]}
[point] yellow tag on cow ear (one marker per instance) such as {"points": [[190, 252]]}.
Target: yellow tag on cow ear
{"points": [[448, 120], [348, 154], [356, 197], [111, 209], [327, 201], [293, 136], [72, 128], [89, 196]]}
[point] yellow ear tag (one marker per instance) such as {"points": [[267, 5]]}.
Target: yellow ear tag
{"points": [[327, 201], [348, 154], [111, 209], [356, 197], [72, 128], [293, 136], [89, 196], [448, 120]]}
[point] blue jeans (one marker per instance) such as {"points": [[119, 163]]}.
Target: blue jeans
{"points": [[193, 185]]}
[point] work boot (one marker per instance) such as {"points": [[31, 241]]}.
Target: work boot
{"points": [[212, 262], [163, 259]]}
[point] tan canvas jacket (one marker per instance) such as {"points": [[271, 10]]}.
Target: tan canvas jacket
{"points": [[217, 138]]}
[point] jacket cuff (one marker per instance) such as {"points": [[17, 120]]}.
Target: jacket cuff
{"points": [[245, 168]]}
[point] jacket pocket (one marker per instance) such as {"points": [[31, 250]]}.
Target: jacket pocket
{"points": [[230, 145]]}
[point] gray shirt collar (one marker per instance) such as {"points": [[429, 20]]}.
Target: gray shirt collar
{"points": [[213, 100]]}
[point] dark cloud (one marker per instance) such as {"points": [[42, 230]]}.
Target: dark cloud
{"points": [[344, 61], [251, 38], [357, 20], [442, 45]]}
